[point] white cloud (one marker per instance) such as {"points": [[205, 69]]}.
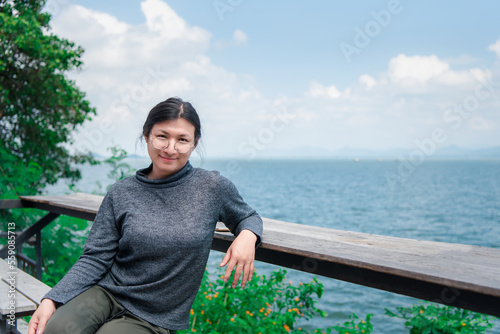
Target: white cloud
{"points": [[367, 80], [109, 23], [495, 48], [318, 90], [240, 37], [161, 18], [462, 60], [408, 70], [480, 124], [405, 102], [421, 74]]}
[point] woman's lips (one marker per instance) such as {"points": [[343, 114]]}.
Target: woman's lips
{"points": [[167, 158]]}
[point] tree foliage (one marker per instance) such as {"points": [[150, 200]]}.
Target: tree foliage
{"points": [[39, 106]]}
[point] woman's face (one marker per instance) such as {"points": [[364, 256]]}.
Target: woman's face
{"points": [[168, 161]]}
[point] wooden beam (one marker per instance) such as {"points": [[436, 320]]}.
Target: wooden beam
{"points": [[453, 274], [11, 204], [470, 300]]}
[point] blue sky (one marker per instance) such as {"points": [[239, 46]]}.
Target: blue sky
{"points": [[271, 78]]}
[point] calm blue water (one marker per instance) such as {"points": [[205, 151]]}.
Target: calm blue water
{"points": [[448, 201]]}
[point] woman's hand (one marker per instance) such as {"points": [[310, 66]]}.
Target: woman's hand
{"points": [[241, 254], [42, 314]]}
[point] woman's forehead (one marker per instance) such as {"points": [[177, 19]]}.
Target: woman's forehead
{"points": [[178, 126]]}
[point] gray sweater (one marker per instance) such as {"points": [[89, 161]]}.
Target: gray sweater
{"points": [[150, 242]]}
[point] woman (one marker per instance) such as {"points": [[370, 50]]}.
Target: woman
{"points": [[147, 250]]}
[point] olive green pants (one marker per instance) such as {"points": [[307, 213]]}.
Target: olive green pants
{"points": [[97, 311]]}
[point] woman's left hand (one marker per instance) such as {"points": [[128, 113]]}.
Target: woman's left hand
{"points": [[241, 254]]}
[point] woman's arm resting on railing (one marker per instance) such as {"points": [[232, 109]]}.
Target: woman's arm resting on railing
{"points": [[241, 254]]}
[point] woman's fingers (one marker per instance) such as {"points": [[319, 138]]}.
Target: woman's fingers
{"points": [[240, 255], [39, 319]]}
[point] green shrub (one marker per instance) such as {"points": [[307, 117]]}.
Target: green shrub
{"points": [[265, 305], [437, 319], [355, 326]]}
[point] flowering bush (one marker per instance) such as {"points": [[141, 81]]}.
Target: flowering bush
{"points": [[434, 318], [265, 305]]}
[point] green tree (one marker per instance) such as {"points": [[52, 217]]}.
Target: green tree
{"points": [[39, 106]]}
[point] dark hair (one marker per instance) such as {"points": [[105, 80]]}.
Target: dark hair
{"points": [[169, 110]]}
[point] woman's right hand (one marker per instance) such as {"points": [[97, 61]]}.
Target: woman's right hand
{"points": [[42, 314]]}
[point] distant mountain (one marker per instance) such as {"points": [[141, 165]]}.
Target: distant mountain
{"points": [[129, 156], [448, 152], [136, 156], [97, 155]]}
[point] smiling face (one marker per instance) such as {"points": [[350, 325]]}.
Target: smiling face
{"points": [[168, 161]]}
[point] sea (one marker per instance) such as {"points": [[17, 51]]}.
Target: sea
{"points": [[454, 201]]}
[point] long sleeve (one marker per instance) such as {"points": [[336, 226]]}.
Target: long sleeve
{"points": [[100, 249], [235, 213]]}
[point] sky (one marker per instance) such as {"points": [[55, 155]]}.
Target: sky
{"points": [[290, 78]]}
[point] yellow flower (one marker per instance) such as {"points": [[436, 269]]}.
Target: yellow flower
{"points": [[463, 324], [297, 299], [286, 328], [192, 312], [232, 319], [202, 312]]}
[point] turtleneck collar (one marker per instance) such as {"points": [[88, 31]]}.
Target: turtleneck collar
{"points": [[170, 181]]}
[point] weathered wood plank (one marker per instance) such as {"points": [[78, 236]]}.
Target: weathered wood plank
{"points": [[77, 205], [23, 305], [27, 285], [459, 266], [10, 204], [77, 201]]}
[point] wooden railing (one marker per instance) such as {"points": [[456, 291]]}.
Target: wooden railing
{"points": [[453, 274]]}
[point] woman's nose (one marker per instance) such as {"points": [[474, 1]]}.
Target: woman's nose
{"points": [[170, 148]]}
